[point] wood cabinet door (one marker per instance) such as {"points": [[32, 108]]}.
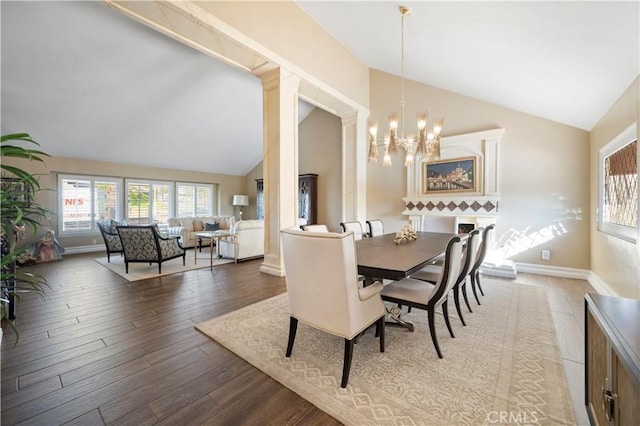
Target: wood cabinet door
{"points": [[627, 410], [597, 348]]}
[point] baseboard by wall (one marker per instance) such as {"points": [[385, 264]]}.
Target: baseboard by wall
{"points": [[553, 271], [86, 249], [581, 274]]}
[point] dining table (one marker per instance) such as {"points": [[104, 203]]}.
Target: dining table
{"points": [[381, 258]]}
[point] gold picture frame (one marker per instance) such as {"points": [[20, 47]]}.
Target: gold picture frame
{"points": [[451, 175]]}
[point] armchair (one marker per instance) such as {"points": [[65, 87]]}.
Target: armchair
{"points": [[144, 244], [110, 236], [325, 294]]}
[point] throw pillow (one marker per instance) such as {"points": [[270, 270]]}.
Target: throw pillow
{"points": [[197, 225], [212, 227]]}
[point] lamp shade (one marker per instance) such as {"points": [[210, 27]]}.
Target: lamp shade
{"points": [[240, 200]]}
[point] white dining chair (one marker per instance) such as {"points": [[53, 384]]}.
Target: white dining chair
{"points": [[355, 226], [376, 228], [329, 298], [315, 228]]}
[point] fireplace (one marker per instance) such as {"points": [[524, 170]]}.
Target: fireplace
{"points": [[465, 228], [461, 211]]}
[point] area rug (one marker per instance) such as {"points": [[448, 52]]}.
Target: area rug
{"points": [[504, 367], [143, 271]]}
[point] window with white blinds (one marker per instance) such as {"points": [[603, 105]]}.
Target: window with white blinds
{"points": [[84, 200], [148, 201], [194, 199]]}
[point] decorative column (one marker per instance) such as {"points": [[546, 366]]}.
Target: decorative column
{"points": [[280, 118], [354, 172]]}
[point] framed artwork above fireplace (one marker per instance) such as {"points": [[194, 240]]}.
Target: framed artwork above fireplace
{"points": [[451, 175]]}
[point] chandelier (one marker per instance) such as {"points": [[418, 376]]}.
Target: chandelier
{"points": [[425, 144]]}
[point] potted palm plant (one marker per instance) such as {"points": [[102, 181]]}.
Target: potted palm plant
{"points": [[19, 213]]}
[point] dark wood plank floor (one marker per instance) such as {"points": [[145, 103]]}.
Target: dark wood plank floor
{"points": [[101, 350]]}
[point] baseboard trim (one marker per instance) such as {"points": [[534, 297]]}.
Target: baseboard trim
{"points": [[553, 271], [601, 286], [85, 249]]}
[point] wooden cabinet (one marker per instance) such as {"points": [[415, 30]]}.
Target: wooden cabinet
{"points": [[612, 360], [307, 198]]}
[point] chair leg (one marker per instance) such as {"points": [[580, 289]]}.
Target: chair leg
{"points": [[380, 331], [473, 287], [432, 330], [464, 294], [445, 314], [456, 300], [478, 282], [159, 267], [293, 327], [126, 267], [108, 257], [348, 355]]}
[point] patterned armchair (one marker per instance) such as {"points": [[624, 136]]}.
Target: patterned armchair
{"points": [[144, 244], [110, 236]]}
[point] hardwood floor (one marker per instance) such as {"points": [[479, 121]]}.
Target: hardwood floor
{"points": [[101, 350]]}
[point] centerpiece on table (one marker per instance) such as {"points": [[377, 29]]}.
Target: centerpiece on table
{"points": [[405, 235]]}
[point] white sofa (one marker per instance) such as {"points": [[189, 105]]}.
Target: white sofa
{"points": [[249, 235], [186, 227]]}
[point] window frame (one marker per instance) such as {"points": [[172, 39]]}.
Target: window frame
{"points": [[211, 202], [151, 183], [92, 179], [627, 233]]}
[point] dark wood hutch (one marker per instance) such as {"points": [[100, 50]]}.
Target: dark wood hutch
{"points": [[307, 198]]}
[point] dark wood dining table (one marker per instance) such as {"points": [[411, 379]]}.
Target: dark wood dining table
{"points": [[380, 257]]}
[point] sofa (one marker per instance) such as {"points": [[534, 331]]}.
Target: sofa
{"points": [[249, 236], [186, 227]]}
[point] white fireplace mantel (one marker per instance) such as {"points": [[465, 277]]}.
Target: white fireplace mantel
{"points": [[481, 205]]}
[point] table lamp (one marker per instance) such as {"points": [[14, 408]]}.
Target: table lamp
{"points": [[240, 201]]}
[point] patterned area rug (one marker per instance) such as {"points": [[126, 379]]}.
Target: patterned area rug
{"points": [[503, 368], [143, 271]]}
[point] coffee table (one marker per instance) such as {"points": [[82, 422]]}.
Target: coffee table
{"points": [[215, 235]]}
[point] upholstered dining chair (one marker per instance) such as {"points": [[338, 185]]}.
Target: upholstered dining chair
{"points": [[431, 273], [376, 228], [315, 228], [356, 227], [423, 295], [143, 243], [110, 236], [482, 253], [328, 298]]}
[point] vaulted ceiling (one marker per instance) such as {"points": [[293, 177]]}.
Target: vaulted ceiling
{"points": [[88, 82]]}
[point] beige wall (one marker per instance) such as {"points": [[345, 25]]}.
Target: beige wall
{"points": [[544, 170], [614, 261], [320, 152], [227, 184]]}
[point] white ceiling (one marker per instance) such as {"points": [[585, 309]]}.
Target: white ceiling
{"points": [[567, 61], [88, 82]]}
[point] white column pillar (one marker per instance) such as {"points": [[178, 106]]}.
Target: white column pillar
{"points": [[354, 171], [280, 117]]}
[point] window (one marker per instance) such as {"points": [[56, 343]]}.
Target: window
{"points": [[148, 202], [85, 200], [194, 199], [618, 178]]}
